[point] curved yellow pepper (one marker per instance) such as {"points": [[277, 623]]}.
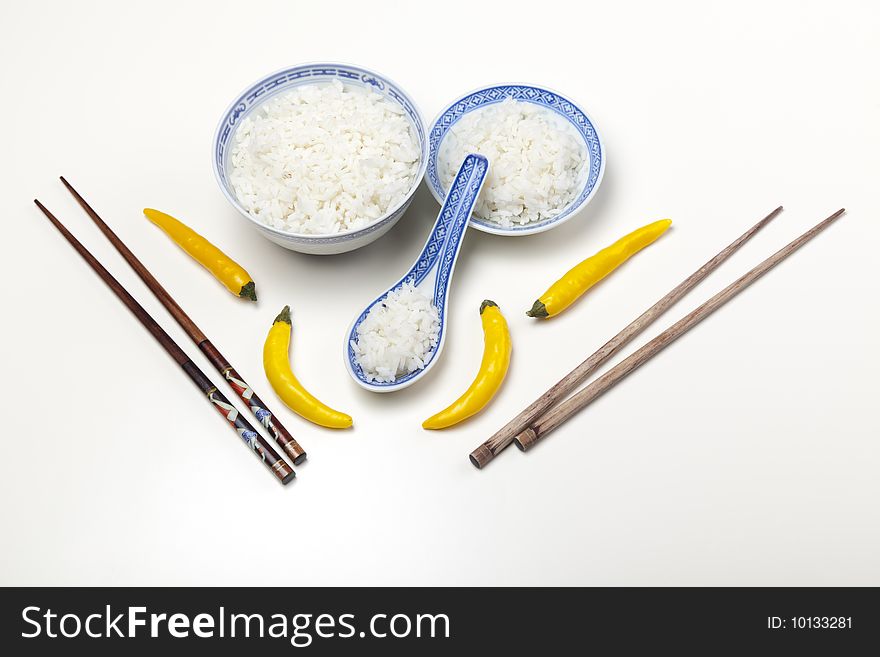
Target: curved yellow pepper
{"points": [[224, 268], [493, 368], [277, 366], [586, 274]]}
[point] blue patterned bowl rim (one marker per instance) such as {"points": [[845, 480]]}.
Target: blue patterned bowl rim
{"points": [[269, 85], [553, 100]]}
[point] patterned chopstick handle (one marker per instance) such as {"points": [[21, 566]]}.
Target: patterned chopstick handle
{"points": [[245, 431], [254, 403]]}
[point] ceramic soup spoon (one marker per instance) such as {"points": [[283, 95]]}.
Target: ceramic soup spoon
{"points": [[432, 271]]}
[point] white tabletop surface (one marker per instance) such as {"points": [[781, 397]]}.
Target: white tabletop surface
{"points": [[746, 453]]}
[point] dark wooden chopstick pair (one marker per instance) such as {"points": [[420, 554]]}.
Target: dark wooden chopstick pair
{"points": [[251, 436], [555, 406]]}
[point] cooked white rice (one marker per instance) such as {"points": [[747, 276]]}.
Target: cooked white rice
{"points": [[323, 158], [537, 162], [397, 335]]}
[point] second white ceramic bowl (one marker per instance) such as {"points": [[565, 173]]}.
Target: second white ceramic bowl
{"points": [[544, 97]]}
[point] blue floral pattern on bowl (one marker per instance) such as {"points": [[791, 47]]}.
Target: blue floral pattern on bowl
{"points": [[440, 251], [531, 94]]}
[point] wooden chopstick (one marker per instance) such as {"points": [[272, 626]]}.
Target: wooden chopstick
{"points": [[270, 458], [543, 426], [504, 436], [264, 416]]}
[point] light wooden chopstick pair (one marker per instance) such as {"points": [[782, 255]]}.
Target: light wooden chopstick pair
{"points": [[555, 406]]}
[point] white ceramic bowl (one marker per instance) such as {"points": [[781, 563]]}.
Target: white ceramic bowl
{"points": [[544, 97], [282, 81]]}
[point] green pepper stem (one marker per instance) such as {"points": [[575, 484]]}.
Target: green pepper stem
{"points": [[538, 310], [249, 291], [486, 303]]}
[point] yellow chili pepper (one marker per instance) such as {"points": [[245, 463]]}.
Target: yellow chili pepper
{"points": [[277, 366], [493, 368], [224, 268], [586, 274]]}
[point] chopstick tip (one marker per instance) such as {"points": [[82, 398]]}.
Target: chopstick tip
{"points": [[44, 210]]}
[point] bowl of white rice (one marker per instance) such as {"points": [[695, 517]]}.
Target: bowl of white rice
{"points": [[546, 159], [321, 158]]}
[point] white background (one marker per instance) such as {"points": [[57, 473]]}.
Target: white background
{"points": [[746, 453]]}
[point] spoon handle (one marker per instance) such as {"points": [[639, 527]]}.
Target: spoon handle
{"points": [[454, 217]]}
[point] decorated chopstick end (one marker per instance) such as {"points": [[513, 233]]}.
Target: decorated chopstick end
{"points": [[296, 453]]}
